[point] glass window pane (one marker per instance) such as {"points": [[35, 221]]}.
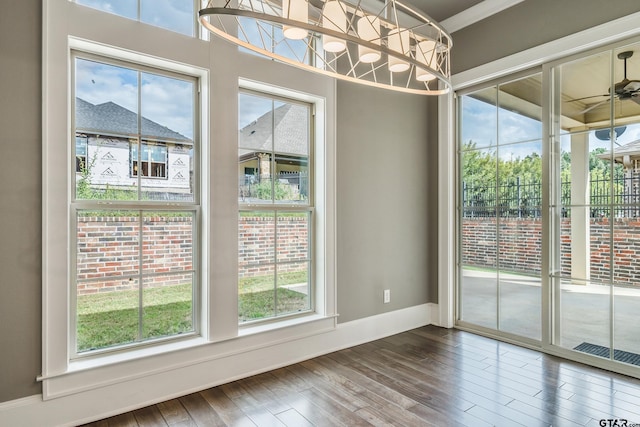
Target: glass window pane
{"points": [[479, 118], [479, 296], [293, 236], [167, 305], [292, 49], [175, 15], [256, 241], [167, 108], [256, 33], [107, 313], [626, 308], [586, 243], [255, 148], [167, 242], [107, 244], [520, 112], [291, 145], [256, 292], [269, 37], [584, 314], [168, 118], [126, 8], [293, 288], [107, 266], [479, 240], [479, 180], [626, 83], [81, 146], [583, 91], [520, 179], [521, 304], [106, 115]]}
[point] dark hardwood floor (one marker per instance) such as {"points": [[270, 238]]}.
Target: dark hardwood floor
{"points": [[427, 376]]}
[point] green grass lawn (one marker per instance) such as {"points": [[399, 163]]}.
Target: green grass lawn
{"points": [[112, 318], [256, 296]]}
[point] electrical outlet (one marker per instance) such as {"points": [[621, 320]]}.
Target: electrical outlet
{"points": [[386, 297]]}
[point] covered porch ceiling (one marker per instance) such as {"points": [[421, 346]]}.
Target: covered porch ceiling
{"points": [[585, 85]]}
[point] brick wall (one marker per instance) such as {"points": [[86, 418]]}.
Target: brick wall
{"points": [[256, 245], [520, 249], [108, 249]]}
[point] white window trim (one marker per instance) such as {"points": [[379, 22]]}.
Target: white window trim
{"points": [[68, 26], [318, 207]]}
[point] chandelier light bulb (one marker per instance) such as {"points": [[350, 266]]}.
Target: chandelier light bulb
{"points": [[334, 18], [425, 53], [296, 10], [398, 40], [369, 30]]}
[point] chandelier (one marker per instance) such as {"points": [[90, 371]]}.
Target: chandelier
{"points": [[388, 44]]}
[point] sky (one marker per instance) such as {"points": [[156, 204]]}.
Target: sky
{"points": [[176, 15], [478, 125], [165, 100]]}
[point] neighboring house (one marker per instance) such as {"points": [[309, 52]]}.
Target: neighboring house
{"points": [[106, 144], [276, 143], [628, 156]]}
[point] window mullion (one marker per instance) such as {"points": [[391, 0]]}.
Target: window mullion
{"points": [[140, 275]]}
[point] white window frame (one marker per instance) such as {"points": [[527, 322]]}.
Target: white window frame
{"points": [[308, 207], [68, 26], [323, 222], [192, 206]]}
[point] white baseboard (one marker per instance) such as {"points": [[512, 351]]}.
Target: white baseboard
{"points": [[125, 396]]}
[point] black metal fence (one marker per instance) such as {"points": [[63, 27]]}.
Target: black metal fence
{"points": [[520, 198]]}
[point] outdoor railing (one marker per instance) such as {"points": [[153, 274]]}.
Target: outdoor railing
{"points": [[522, 198]]}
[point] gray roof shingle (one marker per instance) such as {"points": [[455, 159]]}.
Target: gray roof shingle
{"points": [[290, 129], [631, 149], [111, 118]]}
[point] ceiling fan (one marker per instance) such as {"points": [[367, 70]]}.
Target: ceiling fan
{"points": [[624, 89]]}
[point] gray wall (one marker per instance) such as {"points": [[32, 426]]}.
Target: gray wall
{"points": [[384, 170], [20, 200], [386, 203], [528, 24]]}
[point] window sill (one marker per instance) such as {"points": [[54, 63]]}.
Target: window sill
{"points": [[244, 331], [187, 355], [97, 361]]}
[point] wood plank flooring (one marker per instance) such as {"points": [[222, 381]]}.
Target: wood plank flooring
{"points": [[427, 376]]}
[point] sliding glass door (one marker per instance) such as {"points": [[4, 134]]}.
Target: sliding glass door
{"points": [[500, 207], [549, 207], [595, 208]]}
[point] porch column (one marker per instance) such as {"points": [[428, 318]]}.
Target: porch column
{"points": [[264, 166], [580, 226]]}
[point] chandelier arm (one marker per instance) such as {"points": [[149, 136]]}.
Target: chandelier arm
{"points": [[411, 70], [324, 31], [375, 77], [261, 33]]}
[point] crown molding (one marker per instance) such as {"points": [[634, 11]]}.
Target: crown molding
{"points": [[476, 13]]}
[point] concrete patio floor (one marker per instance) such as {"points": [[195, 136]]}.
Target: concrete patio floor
{"points": [[584, 309]]}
